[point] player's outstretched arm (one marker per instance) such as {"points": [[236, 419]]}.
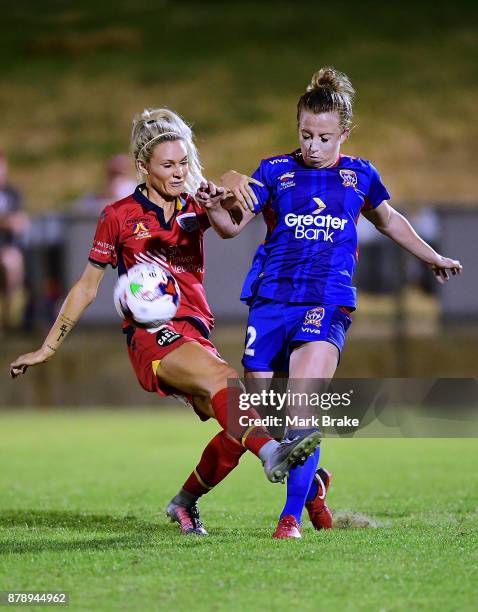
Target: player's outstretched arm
{"points": [[394, 225], [80, 296], [225, 216]]}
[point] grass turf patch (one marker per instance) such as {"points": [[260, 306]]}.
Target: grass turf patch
{"points": [[82, 510]]}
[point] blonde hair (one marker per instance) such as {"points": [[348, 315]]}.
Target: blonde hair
{"points": [[329, 91], [156, 125]]}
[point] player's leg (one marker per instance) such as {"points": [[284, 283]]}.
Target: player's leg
{"points": [[192, 369], [312, 365], [219, 458], [266, 357], [152, 354], [222, 454]]}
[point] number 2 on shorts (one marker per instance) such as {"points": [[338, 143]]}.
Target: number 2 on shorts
{"points": [[251, 335]]}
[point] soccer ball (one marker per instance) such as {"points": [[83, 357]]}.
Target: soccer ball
{"points": [[147, 296]]}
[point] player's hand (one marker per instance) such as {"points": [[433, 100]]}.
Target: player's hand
{"points": [[209, 195], [443, 265], [239, 186], [21, 364]]}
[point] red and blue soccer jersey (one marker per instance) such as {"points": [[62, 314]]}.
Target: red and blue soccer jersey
{"points": [[134, 230], [310, 251]]}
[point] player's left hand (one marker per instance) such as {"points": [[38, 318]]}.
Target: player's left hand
{"points": [[239, 185], [443, 265], [209, 195], [22, 363]]}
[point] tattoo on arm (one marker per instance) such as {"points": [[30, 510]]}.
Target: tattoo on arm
{"points": [[51, 348], [67, 320], [66, 325], [64, 330]]}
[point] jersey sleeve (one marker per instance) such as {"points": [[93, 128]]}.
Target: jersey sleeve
{"points": [[263, 194], [104, 250], [377, 191]]}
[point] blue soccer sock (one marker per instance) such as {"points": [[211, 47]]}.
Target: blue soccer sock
{"points": [[298, 486]]}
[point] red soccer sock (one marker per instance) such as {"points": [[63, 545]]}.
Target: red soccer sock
{"points": [[219, 458], [225, 405]]}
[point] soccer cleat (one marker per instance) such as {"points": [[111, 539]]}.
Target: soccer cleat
{"points": [[187, 517], [319, 513], [287, 527], [290, 453]]}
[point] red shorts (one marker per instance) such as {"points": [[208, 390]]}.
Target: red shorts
{"points": [[146, 351]]}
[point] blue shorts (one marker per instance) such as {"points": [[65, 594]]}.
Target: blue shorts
{"points": [[274, 329]]}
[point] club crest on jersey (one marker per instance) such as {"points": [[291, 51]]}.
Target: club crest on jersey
{"points": [[286, 180], [349, 178], [188, 222], [141, 230], [314, 316]]}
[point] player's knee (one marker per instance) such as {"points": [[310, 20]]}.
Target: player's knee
{"points": [[218, 378]]}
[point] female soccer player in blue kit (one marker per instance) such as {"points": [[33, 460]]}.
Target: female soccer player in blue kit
{"points": [[299, 288]]}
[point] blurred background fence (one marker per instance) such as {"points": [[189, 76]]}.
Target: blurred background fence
{"points": [[59, 248], [73, 74]]}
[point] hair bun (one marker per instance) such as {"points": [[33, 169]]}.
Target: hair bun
{"points": [[146, 114], [331, 79]]}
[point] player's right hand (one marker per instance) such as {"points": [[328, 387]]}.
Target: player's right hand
{"points": [[21, 364], [441, 266], [239, 185], [209, 195]]}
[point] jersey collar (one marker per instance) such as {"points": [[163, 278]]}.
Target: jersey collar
{"points": [[139, 196]]}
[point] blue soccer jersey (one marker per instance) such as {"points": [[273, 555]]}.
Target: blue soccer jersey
{"points": [[310, 251]]}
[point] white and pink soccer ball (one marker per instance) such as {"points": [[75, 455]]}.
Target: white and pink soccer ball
{"points": [[147, 296]]}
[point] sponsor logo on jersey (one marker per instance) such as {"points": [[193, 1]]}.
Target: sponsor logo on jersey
{"points": [[315, 226], [314, 317], [135, 220], [282, 160], [166, 336], [177, 260], [349, 178], [286, 180], [103, 247], [320, 205], [188, 222], [141, 230], [310, 330]]}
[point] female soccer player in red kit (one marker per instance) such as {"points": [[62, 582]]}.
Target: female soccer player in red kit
{"points": [[162, 223]]}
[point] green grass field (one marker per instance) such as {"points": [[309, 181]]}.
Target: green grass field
{"points": [[82, 504]]}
